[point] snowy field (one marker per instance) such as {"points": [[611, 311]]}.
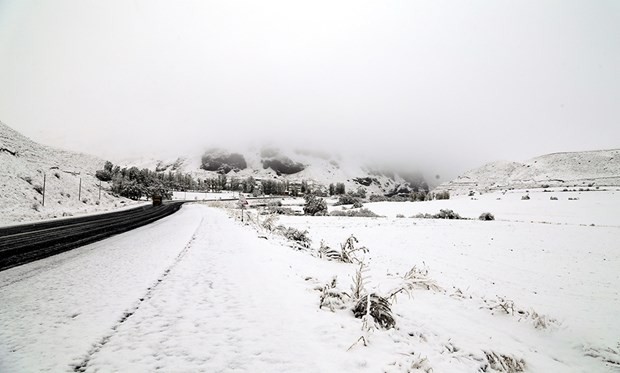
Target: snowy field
{"points": [[592, 207], [200, 291], [201, 196]]}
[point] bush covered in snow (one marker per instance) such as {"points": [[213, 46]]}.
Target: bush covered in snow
{"points": [[442, 195], [486, 216], [315, 205], [361, 213], [442, 214], [347, 199], [447, 214], [297, 236]]}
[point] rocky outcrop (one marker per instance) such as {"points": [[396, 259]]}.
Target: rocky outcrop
{"points": [[223, 162], [283, 165], [366, 181]]}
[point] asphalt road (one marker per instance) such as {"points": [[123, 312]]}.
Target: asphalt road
{"points": [[25, 243]]}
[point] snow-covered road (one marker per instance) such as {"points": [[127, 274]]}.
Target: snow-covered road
{"points": [[192, 292], [53, 310]]}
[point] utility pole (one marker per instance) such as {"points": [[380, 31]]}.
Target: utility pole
{"points": [[99, 190], [43, 204], [80, 192]]}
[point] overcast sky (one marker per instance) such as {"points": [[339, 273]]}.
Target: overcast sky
{"points": [[461, 82]]}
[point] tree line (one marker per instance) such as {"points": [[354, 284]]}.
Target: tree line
{"points": [[135, 183]]}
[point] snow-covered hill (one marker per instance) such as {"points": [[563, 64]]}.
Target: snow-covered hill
{"points": [[588, 169], [23, 164], [297, 165]]}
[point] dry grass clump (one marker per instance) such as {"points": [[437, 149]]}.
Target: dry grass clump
{"points": [[377, 307], [415, 278], [349, 252], [332, 298], [503, 363], [300, 238], [508, 307]]}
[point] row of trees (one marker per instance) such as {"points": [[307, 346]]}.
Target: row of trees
{"points": [[337, 189], [136, 183]]}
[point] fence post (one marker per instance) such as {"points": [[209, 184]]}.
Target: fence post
{"points": [[44, 175], [80, 191]]}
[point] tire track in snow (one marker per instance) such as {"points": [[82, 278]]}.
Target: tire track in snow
{"points": [[83, 365]]}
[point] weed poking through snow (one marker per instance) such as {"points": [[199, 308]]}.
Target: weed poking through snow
{"points": [[415, 278], [503, 363], [350, 253], [375, 307], [332, 298]]}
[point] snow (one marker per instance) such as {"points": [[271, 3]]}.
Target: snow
{"points": [[320, 169], [593, 207], [567, 169], [23, 164], [202, 196], [200, 291], [55, 309]]}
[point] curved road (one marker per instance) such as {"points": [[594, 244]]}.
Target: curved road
{"points": [[29, 242]]}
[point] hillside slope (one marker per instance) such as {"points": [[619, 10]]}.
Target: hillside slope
{"points": [[23, 166], [568, 170], [293, 165]]}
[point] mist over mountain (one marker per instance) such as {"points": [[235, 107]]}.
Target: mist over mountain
{"points": [[292, 164]]}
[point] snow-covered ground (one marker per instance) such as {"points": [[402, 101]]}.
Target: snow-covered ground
{"points": [[201, 196], [71, 187], [593, 207], [199, 291]]}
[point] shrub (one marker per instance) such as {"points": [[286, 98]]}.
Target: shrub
{"points": [[525, 197], [315, 206], [423, 216], [346, 199], [377, 198], [340, 189], [400, 216], [270, 222], [360, 193], [282, 210], [357, 205], [442, 195], [486, 216], [27, 179], [299, 237], [103, 175], [553, 198], [363, 213], [36, 206], [447, 214], [443, 214], [39, 189]]}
